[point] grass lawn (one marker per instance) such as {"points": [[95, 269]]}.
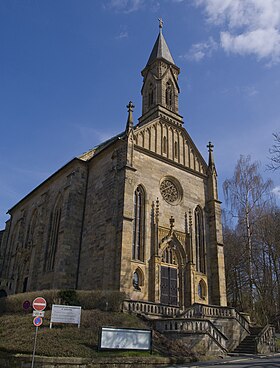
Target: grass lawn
{"points": [[17, 334], [17, 330]]}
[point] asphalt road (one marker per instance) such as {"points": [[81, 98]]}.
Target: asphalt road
{"points": [[238, 362]]}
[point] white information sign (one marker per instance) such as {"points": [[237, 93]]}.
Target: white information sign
{"points": [[124, 338], [38, 313], [65, 314]]}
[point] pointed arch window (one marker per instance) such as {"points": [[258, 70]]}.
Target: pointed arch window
{"points": [[164, 148], [176, 149], [199, 241], [151, 95], [169, 256], [138, 279], [53, 236], [30, 238], [169, 95], [202, 290], [138, 224]]}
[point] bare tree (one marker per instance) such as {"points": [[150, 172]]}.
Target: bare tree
{"points": [[235, 268], [267, 278], [247, 193], [275, 153]]}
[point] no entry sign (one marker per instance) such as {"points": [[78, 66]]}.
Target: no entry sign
{"points": [[39, 304]]}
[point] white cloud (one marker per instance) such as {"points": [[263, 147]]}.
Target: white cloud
{"points": [[276, 191], [245, 91], [201, 50], [121, 35], [265, 44], [250, 26], [94, 136], [125, 6], [130, 6]]}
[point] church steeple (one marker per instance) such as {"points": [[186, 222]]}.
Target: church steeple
{"points": [[160, 83], [160, 49]]}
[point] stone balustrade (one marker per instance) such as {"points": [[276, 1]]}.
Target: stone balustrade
{"points": [[149, 308], [209, 311], [194, 326], [266, 340]]}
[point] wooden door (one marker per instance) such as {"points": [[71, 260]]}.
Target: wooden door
{"points": [[169, 285]]}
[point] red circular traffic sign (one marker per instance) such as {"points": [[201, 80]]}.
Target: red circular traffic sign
{"points": [[37, 321], [39, 304]]}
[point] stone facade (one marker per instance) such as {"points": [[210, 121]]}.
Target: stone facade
{"points": [[139, 213]]}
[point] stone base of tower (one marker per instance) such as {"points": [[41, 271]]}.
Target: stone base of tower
{"points": [[206, 329]]}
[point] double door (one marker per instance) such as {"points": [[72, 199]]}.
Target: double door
{"points": [[169, 285]]}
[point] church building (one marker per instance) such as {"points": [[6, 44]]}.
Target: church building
{"points": [[138, 213]]}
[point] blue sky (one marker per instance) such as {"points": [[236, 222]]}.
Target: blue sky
{"points": [[69, 67]]}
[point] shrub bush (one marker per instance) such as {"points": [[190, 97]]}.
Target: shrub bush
{"points": [[14, 303], [68, 297], [91, 299], [99, 299]]}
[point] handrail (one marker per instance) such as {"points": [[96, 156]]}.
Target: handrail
{"points": [[205, 310], [266, 337], [137, 306], [195, 325]]}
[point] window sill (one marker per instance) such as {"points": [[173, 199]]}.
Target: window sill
{"points": [[137, 261]]}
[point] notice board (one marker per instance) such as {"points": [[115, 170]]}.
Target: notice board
{"points": [[125, 338], [65, 314]]}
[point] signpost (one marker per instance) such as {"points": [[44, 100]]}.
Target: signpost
{"points": [[38, 313], [39, 304], [26, 304], [37, 321]]}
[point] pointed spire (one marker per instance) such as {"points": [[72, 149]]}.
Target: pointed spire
{"points": [[212, 173], [172, 221], [157, 210], [210, 147], [160, 49], [129, 123]]}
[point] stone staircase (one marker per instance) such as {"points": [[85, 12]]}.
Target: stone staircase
{"points": [[215, 329], [249, 344], [261, 340]]}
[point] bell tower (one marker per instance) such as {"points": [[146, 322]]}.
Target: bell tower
{"points": [[160, 84]]}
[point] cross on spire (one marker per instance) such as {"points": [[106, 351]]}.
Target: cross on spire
{"points": [[129, 123], [130, 106], [210, 147], [160, 23]]}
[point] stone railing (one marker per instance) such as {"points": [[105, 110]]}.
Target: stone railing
{"points": [[194, 326], [211, 311], [265, 340], [149, 308]]}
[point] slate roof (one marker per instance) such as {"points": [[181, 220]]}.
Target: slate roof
{"points": [[160, 51]]}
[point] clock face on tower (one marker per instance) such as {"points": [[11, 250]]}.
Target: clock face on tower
{"points": [[170, 190]]}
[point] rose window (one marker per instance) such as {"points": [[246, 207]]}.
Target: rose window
{"points": [[169, 191]]}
